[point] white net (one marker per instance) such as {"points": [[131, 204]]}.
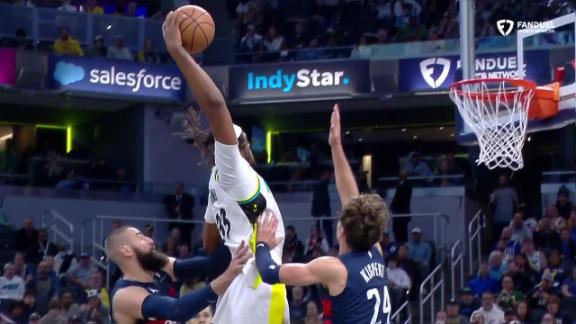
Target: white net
{"points": [[497, 112]]}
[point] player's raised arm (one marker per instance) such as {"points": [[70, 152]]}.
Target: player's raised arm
{"points": [[203, 88], [325, 270], [345, 181]]}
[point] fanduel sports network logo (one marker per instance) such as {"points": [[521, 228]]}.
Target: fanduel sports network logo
{"points": [[70, 73], [429, 71], [505, 26], [303, 78]]}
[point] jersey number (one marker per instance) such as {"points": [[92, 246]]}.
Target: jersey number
{"points": [[374, 293], [223, 223]]}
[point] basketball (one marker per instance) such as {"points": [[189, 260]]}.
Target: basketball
{"points": [[197, 28]]}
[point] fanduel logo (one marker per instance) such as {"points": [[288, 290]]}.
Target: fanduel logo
{"points": [[69, 73], [427, 69], [302, 78], [505, 26]]}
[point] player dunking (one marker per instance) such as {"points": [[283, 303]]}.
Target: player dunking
{"points": [[138, 298], [355, 280], [238, 196]]}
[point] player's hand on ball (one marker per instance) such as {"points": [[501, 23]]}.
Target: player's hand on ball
{"points": [[267, 226], [239, 259], [334, 137], [171, 31]]}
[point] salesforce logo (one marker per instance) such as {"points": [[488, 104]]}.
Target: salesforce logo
{"points": [[69, 73], [302, 78]]}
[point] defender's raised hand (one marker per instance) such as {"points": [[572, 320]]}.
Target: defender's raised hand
{"points": [[267, 226], [334, 137]]}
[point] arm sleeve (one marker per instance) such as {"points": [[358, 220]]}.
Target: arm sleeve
{"points": [[195, 267], [268, 268], [235, 175], [181, 309]]}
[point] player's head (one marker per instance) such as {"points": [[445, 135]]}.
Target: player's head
{"points": [[362, 222], [245, 149], [128, 247]]}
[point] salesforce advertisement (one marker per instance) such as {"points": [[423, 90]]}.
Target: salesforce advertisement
{"points": [[110, 77], [440, 72], [303, 79]]}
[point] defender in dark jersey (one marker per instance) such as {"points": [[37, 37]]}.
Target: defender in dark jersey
{"points": [[355, 280], [139, 297]]}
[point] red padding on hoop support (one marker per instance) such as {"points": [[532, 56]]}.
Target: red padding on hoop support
{"points": [[544, 104]]}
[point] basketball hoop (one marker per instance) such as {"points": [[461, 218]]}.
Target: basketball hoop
{"points": [[497, 112]]}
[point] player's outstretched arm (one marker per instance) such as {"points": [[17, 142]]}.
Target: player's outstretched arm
{"points": [[203, 88], [345, 181], [134, 303], [325, 270]]}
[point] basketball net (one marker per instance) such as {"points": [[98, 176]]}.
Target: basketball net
{"points": [[497, 112]]}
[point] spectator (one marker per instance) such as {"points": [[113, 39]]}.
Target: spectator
{"points": [[148, 54], [69, 307], [316, 241], [21, 42], [63, 260], [298, 304], [249, 12], [96, 285], [545, 237], [523, 312], [509, 297], [556, 222], [26, 237], [536, 259], [42, 248], [483, 282], [361, 51], [411, 31], [563, 203], [93, 7], [12, 287], [204, 317], [540, 294], [398, 282], [510, 315], [180, 206], [522, 280], [569, 285], [415, 166], [420, 251], [45, 286], [67, 45], [572, 224], [15, 314], [382, 37], [389, 249], [411, 267], [149, 230], [503, 202], [509, 247], [172, 242], [553, 308], [520, 231], [401, 205], [299, 37], [313, 315], [441, 317], [21, 269], [54, 315], [132, 10], [99, 48], [497, 267], [293, 247], [119, 51], [67, 6], [273, 42], [467, 302], [567, 245], [94, 309], [252, 41], [321, 205], [183, 251], [476, 318], [557, 268], [489, 310], [548, 319], [34, 318], [79, 276], [453, 314], [29, 304]]}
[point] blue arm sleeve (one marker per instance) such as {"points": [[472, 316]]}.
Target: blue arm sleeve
{"points": [[268, 268], [195, 267], [181, 309]]}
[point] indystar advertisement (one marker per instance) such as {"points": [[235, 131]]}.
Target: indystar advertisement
{"points": [[7, 66], [440, 72], [116, 77], [299, 79]]}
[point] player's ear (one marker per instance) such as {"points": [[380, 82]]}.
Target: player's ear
{"points": [[125, 250]]}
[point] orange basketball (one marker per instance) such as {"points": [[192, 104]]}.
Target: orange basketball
{"points": [[197, 28]]}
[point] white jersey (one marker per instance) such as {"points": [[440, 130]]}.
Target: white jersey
{"points": [[248, 300]]}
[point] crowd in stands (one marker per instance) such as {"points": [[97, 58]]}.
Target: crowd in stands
{"points": [[530, 274]]}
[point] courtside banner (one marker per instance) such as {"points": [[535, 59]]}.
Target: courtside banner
{"points": [[7, 66], [440, 72], [302, 79], [114, 77]]}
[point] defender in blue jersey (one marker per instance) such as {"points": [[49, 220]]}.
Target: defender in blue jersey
{"points": [[356, 279]]}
